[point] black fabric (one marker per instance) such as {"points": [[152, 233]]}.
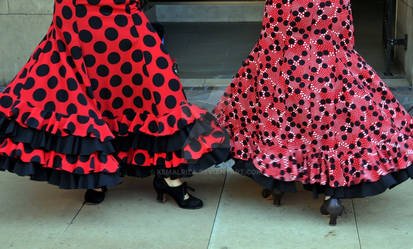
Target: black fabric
{"points": [[72, 145], [60, 178], [360, 190], [38, 139], [214, 157], [163, 144]]}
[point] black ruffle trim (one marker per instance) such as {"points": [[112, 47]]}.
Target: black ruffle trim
{"points": [[63, 179], [364, 189], [214, 157], [163, 144], [38, 139]]}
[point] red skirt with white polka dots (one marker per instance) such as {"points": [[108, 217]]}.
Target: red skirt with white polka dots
{"points": [[305, 107], [98, 98]]}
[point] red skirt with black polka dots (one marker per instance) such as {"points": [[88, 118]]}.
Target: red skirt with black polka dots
{"points": [[305, 107], [99, 98]]}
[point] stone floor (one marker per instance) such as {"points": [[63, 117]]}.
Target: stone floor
{"points": [[40, 216]]}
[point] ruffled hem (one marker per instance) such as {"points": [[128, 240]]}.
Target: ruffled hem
{"points": [[163, 144], [207, 160], [60, 178], [364, 189], [38, 139], [153, 125], [62, 125]]}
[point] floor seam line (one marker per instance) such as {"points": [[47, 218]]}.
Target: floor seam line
{"points": [[357, 226], [218, 205], [74, 217]]}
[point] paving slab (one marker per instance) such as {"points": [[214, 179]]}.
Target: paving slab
{"points": [[33, 214], [246, 220], [386, 220], [131, 217]]}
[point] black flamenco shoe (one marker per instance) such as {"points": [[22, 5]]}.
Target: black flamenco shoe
{"points": [[332, 207], [276, 195], [95, 197], [177, 193]]}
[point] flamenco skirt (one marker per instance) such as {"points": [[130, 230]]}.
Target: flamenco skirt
{"points": [[306, 107], [98, 99]]}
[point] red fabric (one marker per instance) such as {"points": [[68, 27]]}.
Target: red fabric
{"points": [[305, 106], [100, 68]]}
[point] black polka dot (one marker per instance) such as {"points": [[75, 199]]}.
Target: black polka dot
{"points": [[59, 22], [55, 57], [187, 111], [95, 22], [67, 12], [6, 101], [171, 121], [48, 47], [28, 84], [158, 80], [146, 93], [137, 56], [76, 52], [148, 57], [195, 146], [81, 99], [174, 85], [85, 36], [62, 71], [121, 20], [137, 20], [157, 97], [137, 79], [127, 91], [126, 68], [71, 109], [106, 10], [23, 74], [93, 2], [111, 34], [102, 70], [61, 46], [117, 103], [113, 58], [62, 95], [153, 127], [140, 159], [71, 84], [90, 60], [125, 45], [32, 122], [162, 63], [170, 102], [115, 81], [39, 94], [138, 102], [130, 114], [100, 47], [149, 41], [81, 11], [42, 70], [52, 82], [105, 93], [83, 119], [134, 32]]}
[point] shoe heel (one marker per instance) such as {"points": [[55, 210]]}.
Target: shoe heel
{"points": [[277, 196], [266, 193], [277, 199], [333, 219], [335, 209], [161, 196]]}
